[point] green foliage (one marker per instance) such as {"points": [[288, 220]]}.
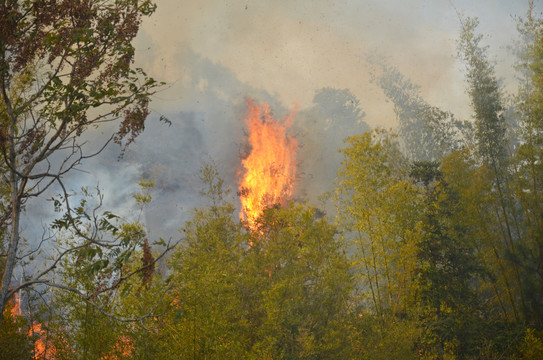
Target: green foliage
{"points": [[206, 320], [112, 276], [100, 243], [494, 153], [528, 182], [144, 196], [486, 97], [531, 347], [305, 285], [378, 209], [373, 338], [279, 291], [447, 268]]}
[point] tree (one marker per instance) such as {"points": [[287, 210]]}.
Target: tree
{"points": [[486, 98], [65, 69], [528, 182], [447, 268], [427, 132], [278, 291], [334, 116], [377, 209], [207, 319], [493, 153], [303, 286], [379, 215], [341, 111], [108, 323]]}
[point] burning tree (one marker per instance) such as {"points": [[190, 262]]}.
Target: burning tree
{"points": [[14, 344], [284, 297]]}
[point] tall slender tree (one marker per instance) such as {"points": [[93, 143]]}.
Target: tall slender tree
{"points": [[492, 150], [377, 206], [427, 133], [447, 268], [528, 164]]}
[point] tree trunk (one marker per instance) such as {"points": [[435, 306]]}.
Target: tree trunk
{"points": [[14, 233]]}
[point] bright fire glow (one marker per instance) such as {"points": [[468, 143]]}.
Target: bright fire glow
{"points": [[270, 167], [122, 350], [16, 310], [40, 349]]}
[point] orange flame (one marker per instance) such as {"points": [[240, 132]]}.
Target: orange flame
{"points": [[16, 310], [270, 167], [123, 349], [40, 349]]}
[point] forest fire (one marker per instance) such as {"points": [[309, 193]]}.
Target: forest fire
{"points": [[270, 167], [41, 350]]}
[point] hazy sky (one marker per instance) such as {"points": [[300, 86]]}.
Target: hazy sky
{"points": [[291, 48]]}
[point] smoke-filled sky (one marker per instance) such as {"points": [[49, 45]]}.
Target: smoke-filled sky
{"points": [[216, 53], [291, 48]]}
